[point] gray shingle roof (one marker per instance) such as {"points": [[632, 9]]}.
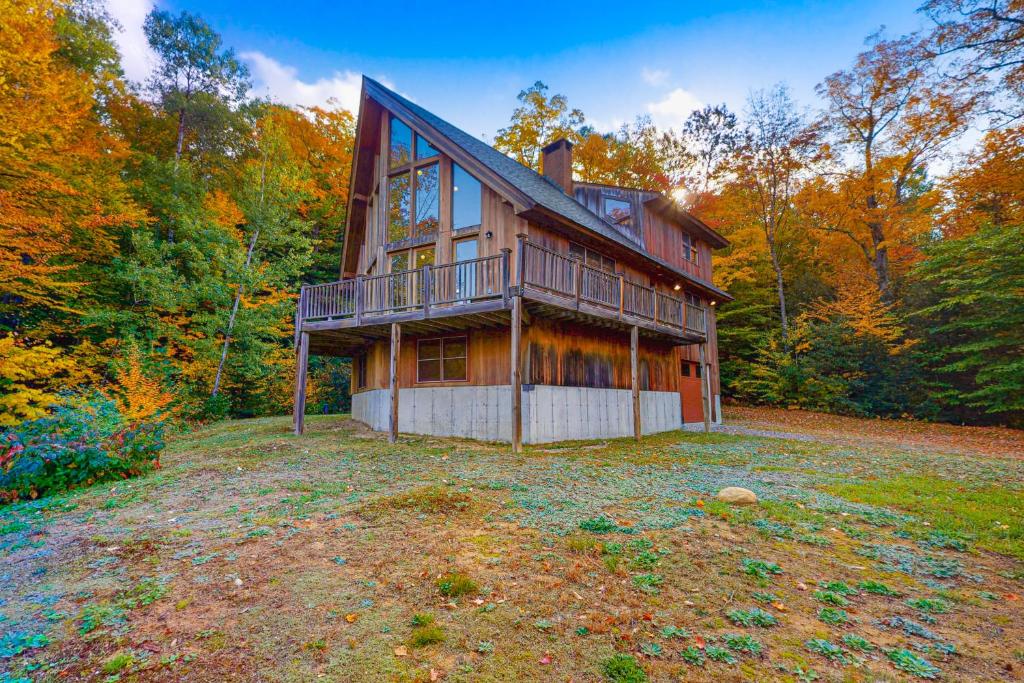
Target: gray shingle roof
{"points": [[535, 186]]}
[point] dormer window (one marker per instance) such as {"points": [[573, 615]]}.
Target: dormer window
{"points": [[689, 248], [618, 212]]}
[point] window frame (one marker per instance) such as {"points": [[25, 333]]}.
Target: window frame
{"points": [[588, 253], [605, 198], [410, 169], [690, 251], [466, 229], [441, 358]]}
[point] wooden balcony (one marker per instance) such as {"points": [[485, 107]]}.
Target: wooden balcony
{"points": [[479, 292]]}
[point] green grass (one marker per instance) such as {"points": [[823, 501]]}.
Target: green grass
{"points": [[455, 585], [992, 515]]}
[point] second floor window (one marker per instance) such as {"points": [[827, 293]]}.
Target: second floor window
{"points": [[689, 248], [594, 259], [413, 188], [466, 207], [618, 212]]}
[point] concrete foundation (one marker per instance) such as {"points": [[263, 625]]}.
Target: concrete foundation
{"points": [[550, 413]]}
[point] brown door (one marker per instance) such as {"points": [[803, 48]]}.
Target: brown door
{"points": [[690, 391]]}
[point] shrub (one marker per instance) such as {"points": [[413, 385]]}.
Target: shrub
{"points": [[83, 442], [428, 634], [454, 585], [623, 668]]}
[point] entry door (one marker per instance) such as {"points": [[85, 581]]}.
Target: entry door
{"points": [[690, 391], [465, 269]]}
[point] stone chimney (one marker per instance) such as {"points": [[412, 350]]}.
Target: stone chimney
{"points": [[556, 163]]}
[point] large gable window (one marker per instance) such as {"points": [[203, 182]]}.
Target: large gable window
{"points": [[465, 199], [441, 360], [414, 184]]}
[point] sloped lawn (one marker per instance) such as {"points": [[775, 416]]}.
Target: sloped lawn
{"points": [[257, 555]]}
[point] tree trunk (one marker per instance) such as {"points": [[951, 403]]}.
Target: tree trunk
{"points": [[231, 317], [880, 262], [181, 137], [782, 294]]}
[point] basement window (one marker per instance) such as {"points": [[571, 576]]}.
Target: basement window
{"points": [[441, 360]]}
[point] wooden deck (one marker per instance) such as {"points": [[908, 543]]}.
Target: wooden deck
{"points": [[344, 315]]}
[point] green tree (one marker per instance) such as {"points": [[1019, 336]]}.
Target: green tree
{"points": [[972, 316], [196, 78]]}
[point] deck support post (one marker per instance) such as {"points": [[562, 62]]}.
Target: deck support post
{"points": [[634, 375], [705, 386], [301, 366], [396, 344], [517, 374]]}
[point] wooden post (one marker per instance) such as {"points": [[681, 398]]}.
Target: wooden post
{"points": [[506, 254], [517, 374], [520, 262], [634, 375], [426, 291], [622, 294], [360, 286], [301, 366], [705, 385], [576, 273], [396, 345]]}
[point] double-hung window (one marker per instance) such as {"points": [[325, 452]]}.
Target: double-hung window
{"points": [[441, 360]]}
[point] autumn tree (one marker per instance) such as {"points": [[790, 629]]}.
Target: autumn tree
{"points": [[886, 118], [988, 187], [537, 121], [775, 148], [630, 157], [985, 39]]}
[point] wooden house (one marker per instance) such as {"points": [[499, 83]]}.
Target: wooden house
{"points": [[481, 299]]}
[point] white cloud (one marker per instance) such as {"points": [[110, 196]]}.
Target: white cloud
{"points": [[282, 84], [654, 76], [137, 58], [672, 110]]}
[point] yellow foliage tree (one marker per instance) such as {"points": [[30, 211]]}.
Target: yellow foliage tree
{"points": [[140, 396], [31, 377]]}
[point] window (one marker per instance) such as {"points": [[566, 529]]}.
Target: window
{"points": [[465, 273], [693, 299], [413, 188], [360, 371], [441, 360], [689, 248], [398, 207], [400, 143], [686, 368], [619, 212], [594, 259], [426, 201], [465, 199], [424, 150]]}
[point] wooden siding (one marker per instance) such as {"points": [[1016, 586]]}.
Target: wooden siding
{"points": [[571, 355]]}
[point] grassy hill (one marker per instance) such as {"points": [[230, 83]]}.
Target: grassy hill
{"points": [[258, 555]]}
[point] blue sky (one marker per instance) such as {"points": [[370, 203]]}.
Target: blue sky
{"points": [[467, 61]]}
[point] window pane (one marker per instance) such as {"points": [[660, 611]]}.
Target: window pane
{"points": [[455, 347], [398, 207], [577, 251], [429, 371], [426, 201], [424, 257], [401, 143], [399, 262], [686, 369], [618, 212], [429, 349], [465, 199], [454, 369], [424, 149], [465, 250]]}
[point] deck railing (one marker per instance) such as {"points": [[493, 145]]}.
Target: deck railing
{"points": [[408, 290], [452, 284], [550, 271]]}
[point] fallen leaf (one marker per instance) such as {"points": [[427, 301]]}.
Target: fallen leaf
{"points": [[1013, 597], [699, 642], [351, 617], [434, 674], [779, 606], [401, 651], [801, 586], [546, 659]]}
